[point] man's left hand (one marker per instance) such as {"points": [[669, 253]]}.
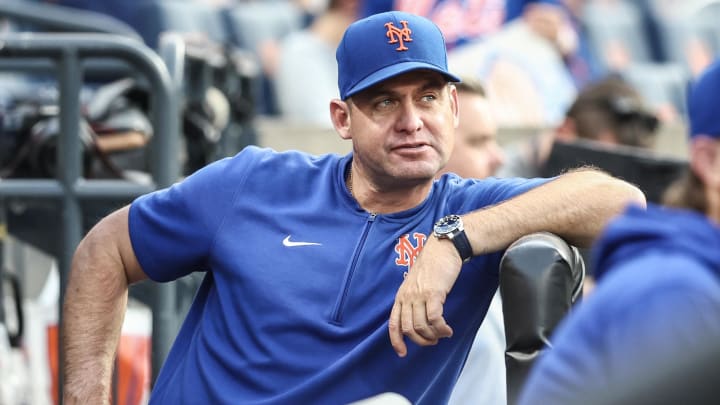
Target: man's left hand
{"points": [[418, 309]]}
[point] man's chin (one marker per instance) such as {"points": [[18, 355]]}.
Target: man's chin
{"points": [[419, 174]]}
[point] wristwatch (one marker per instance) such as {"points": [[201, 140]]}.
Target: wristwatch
{"points": [[451, 227]]}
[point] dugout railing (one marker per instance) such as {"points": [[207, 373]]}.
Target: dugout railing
{"points": [[70, 56]]}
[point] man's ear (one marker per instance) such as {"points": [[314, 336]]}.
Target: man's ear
{"points": [[340, 116], [704, 156], [455, 100]]}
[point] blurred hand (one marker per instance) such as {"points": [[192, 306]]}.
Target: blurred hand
{"points": [[550, 22]]}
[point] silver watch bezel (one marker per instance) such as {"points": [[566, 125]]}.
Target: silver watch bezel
{"points": [[448, 226]]}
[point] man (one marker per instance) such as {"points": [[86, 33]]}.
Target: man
{"points": [[477, 155], [650, 332], [608, 112], [307, 256]]}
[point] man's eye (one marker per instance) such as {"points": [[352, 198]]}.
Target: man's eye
{"points": [[384, 103], [429, 97]]}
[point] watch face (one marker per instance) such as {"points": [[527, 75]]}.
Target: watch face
{"points": [[447, 224]]}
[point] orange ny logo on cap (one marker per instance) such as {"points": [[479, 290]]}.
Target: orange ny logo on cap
{"points": [[398, 35]]}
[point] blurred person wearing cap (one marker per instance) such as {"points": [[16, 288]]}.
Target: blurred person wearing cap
{"points": [[317, 268], [650, 332]]}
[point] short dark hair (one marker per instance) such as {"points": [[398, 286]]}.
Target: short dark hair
{"points": [[687, 192], [615, 105]]}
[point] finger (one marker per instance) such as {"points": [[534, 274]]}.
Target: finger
{"points": [[420, 322], [397, 339], [436, 320], [407, 325], [406, 320]]}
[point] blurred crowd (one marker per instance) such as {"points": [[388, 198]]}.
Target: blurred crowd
{"points": [[532, 55]]}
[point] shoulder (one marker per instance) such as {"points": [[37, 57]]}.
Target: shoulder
{"points": [[266, 158], [471, 194]]}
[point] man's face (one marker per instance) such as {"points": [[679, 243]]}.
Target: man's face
{"points": [[476, 153], [402, 128]]}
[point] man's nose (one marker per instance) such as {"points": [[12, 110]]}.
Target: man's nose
{"points": [[409, 118]]}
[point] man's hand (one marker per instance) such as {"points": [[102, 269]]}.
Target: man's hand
{"points": [[418, 308]]}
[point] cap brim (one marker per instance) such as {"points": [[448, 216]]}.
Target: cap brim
{"points": [[394, 70]]}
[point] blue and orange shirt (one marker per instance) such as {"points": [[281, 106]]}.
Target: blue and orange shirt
{"points": [[300, 281]]}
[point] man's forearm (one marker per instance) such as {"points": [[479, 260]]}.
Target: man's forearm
{"points": [[575, 206], [93, 313]]}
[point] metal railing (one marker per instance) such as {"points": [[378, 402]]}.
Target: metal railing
{"points": [[52, 17], [69, 55]]}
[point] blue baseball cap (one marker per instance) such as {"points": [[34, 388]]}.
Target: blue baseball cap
{"points": [[384, 45], [703, 107]]}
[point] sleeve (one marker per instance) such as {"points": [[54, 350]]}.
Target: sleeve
{"points": [[491, 191], [172, 230]]}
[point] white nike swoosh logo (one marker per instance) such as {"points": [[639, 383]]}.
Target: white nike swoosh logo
{"points": [[289, 243]]}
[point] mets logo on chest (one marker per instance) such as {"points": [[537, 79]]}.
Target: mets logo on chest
{"points": [[398, 35], [407, 251]]}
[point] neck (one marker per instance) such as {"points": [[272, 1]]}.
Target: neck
{"points": [[384, 200]]}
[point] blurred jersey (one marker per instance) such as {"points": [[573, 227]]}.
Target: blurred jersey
{"points": [[460, 20]]}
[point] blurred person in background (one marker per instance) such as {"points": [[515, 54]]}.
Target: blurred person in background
{"points": [[520, 49], [650, 332], [523, 66], [610, 112], [476, 154], [306, 75]]}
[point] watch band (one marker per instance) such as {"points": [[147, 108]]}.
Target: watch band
{"points": [[462, 244]]}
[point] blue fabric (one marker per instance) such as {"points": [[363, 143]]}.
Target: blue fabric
{"points": [[703, 102], [658, 292], [460, 20], [276, 324]]}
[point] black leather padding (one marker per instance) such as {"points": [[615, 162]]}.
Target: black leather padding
{"points": [[541, 276]]}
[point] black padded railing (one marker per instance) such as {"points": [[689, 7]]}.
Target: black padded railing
{"points": [[66, 54], [541, 277]]}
